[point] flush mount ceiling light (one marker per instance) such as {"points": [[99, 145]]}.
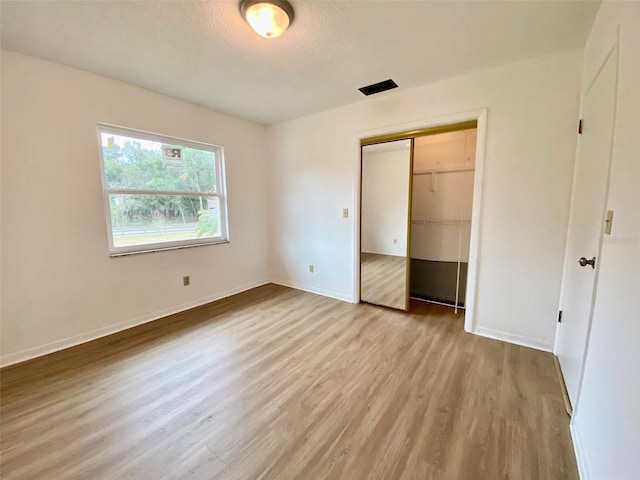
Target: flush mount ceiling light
{"points": [[269, 18]]}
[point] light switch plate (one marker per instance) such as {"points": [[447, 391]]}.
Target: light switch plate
{"points": [[345, 213]]}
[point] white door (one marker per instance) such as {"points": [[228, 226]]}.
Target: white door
{"points": [[586, 222]]}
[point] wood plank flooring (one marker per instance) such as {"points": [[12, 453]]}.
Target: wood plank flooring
{"points": [[276, 383], [383, 280]]}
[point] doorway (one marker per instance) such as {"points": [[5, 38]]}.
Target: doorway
{"points": [[587, 223], [442, 204], [418, 224]]}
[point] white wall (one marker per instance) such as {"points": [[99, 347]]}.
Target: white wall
{"points": [[385, 200], [530, 147], [606, 423], [59, 285], [445, 150], [451, 202]]}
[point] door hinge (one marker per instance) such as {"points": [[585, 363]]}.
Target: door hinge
{"points": [[560, 316], [608, 222], [580, 127]]}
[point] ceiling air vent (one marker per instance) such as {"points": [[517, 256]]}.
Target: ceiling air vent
{"points": [[378, 87]]}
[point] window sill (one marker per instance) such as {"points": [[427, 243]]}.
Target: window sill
{"points": [[160, 248]]}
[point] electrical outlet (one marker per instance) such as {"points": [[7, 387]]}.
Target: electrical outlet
{"points": [[310, 268], [345, 213], [186, 280]]}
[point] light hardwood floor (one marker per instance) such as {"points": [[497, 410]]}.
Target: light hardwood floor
{"points": [[276, 383], [383, 280]]}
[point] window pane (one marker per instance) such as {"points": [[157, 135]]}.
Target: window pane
{"points": [[144, 164], [156, 219]]}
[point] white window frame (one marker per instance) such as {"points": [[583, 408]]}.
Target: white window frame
{"points": [[220, 193]]}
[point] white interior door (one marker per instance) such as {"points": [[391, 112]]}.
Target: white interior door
{"points": [[586, 222]]}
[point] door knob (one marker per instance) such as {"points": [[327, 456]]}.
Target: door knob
{"points": [[584, 262]]}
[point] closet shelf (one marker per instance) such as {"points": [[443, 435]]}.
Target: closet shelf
{"points": [[443, 170], [441, 222]]}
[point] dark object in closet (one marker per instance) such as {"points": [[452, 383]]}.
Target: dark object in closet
{"points": [[378, 87], [436, 281]]}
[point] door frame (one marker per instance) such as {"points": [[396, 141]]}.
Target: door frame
{"points": [[479, 115], [613, 51]]}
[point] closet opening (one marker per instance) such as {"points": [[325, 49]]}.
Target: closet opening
{"points": [[441, 206], [415, 216]]}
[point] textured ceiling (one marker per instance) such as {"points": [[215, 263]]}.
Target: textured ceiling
{"points": [[204, 52]]}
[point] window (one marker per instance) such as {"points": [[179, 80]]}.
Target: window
{"points": [[161, 192]]}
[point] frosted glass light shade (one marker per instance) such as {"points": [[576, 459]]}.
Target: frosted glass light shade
{"points": [[268, 19]]}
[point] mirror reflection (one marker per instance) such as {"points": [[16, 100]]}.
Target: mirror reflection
{"points": [[386, 171]]}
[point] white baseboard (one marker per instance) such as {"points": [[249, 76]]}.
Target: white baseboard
{"points": [[38, 351], [513, 338], [317, 291], [74, 340], [581, 458]]}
